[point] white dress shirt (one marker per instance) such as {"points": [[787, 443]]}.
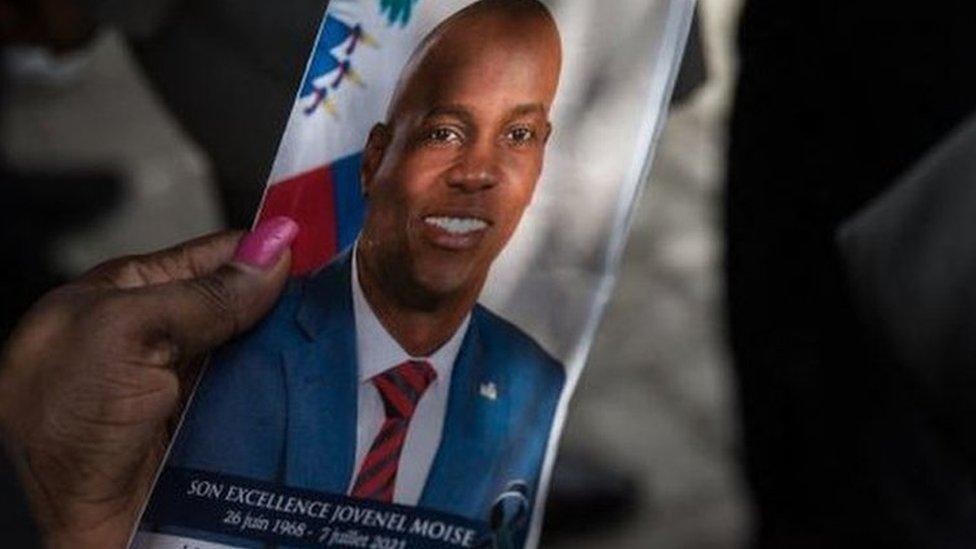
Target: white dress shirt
{"points": [[377, 352]]}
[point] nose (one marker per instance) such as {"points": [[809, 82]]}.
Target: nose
{"points": [[476, 169]]}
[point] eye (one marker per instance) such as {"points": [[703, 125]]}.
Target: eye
{"points": [[520, 135], [443, 136]]}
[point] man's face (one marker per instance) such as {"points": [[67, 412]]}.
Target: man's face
{"points": [[448, 181]]}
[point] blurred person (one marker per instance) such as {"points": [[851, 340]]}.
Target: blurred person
{"points": [[834, 101], [62, 199], [910, 260], [92, 380]]}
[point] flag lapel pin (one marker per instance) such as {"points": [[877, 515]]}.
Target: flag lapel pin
{"points": [[489, 391]]}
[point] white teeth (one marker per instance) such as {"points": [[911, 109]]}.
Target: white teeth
{"points": [[457, 225]]}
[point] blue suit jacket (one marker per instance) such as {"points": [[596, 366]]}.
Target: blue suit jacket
{"points": [[280, 403]]}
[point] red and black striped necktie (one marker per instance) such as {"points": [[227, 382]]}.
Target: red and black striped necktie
{"points": [[401, 389]]}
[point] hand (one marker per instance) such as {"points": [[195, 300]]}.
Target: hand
{"points": [[93, 378]]}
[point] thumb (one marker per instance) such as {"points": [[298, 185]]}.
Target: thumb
{"points": [[198, 314]]}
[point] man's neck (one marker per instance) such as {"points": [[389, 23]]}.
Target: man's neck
{"points": [[420, 332]]}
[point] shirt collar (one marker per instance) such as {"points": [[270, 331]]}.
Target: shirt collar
{"points": [[376, 349]]}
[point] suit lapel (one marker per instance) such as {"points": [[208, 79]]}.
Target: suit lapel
{"points": [[322, 387], [474, 430]]}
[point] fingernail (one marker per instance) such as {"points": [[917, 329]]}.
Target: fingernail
{"points": [[262, 247]]}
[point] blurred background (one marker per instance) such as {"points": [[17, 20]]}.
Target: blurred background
{"points": [[787, 358]]}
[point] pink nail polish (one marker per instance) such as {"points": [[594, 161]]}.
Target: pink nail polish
{"points": [[263, 246]]}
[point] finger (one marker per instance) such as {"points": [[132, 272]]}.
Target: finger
{"points": [[193, 259], [198, 314]]}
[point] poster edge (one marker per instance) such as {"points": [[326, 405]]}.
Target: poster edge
{"points": [[676, 31]]}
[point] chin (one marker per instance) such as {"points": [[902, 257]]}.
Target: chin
{"points": [[439, 282], [441, 285]]}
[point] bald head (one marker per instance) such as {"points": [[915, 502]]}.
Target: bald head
{"points": [[489, 35], [449, 174]]}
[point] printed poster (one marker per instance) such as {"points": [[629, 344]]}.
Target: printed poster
{"points": [[463, 173]]}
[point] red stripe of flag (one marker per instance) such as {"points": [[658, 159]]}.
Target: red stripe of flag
{"points": [[309, 200]]}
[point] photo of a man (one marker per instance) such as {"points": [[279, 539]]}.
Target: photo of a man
{"points": [[380, 376]]}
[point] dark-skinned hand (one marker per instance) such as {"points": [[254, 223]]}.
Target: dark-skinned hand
{"points": [[94, 377]]}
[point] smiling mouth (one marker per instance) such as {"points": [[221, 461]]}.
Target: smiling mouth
{"points": [[457, 226]]}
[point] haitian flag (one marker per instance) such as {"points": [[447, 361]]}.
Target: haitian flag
{"points": [[361, 48]]}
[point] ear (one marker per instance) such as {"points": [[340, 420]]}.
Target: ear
{"points": [[376, 144]]}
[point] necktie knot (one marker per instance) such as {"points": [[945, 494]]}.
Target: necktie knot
{"points": [[401, 387]]}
